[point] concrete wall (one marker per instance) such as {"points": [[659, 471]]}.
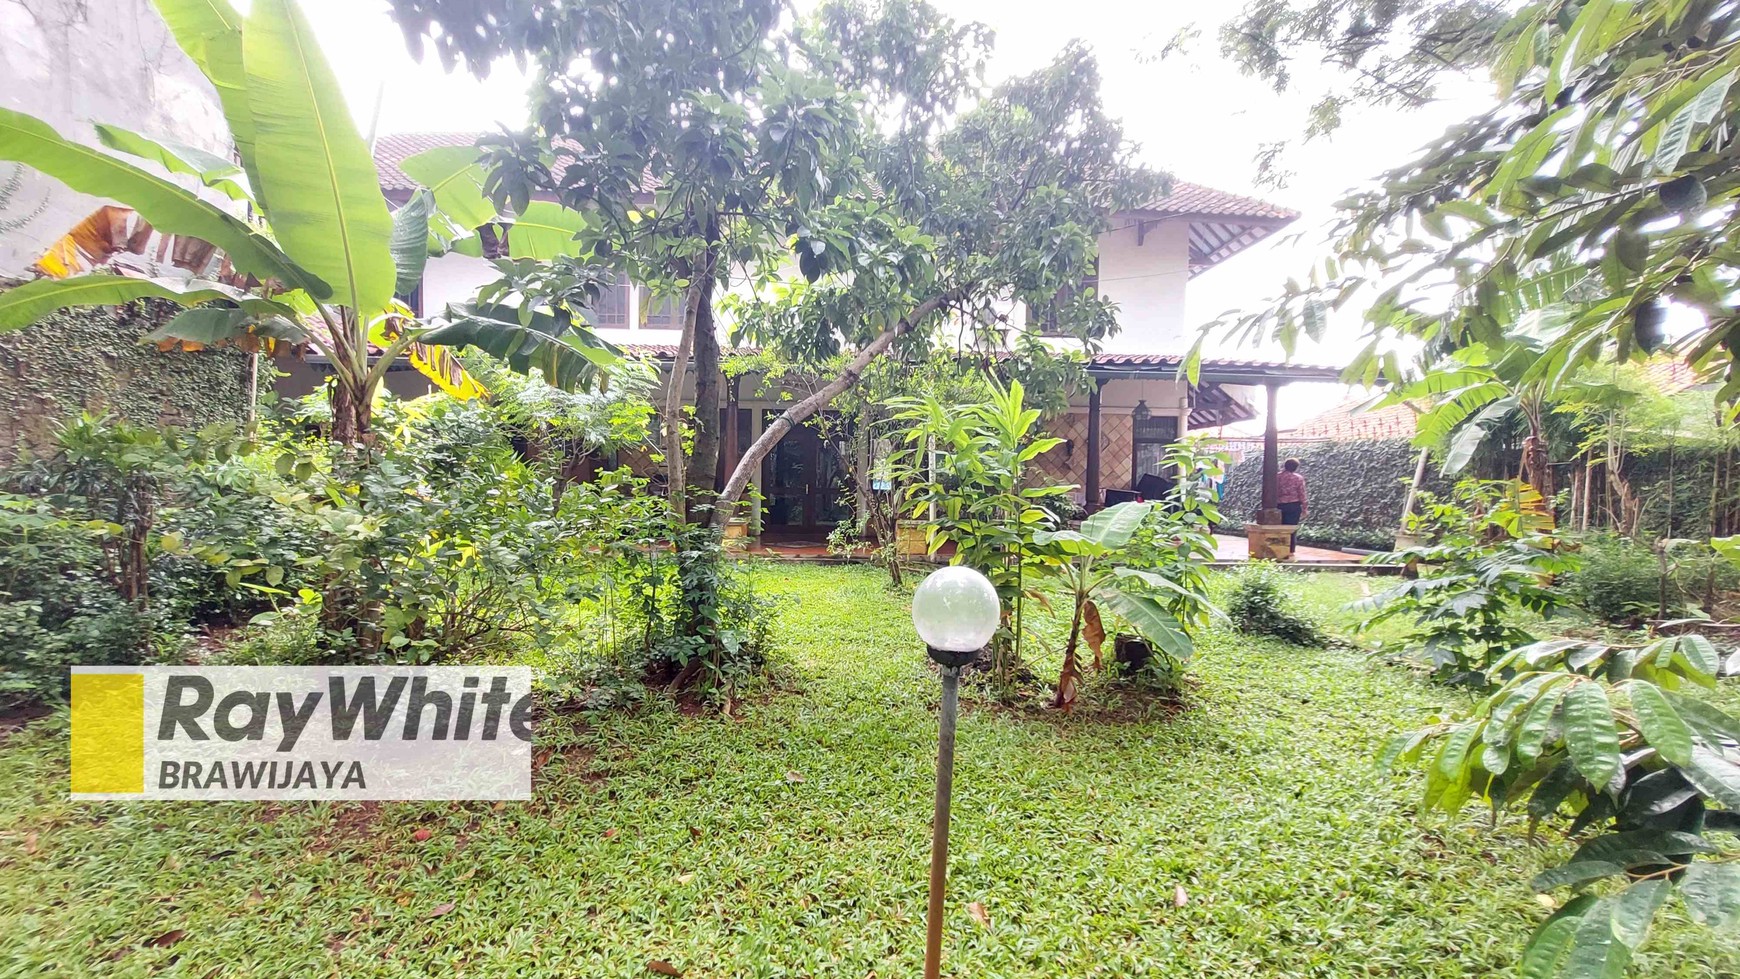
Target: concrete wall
{"points": [[73, 63], [1145, 274]]}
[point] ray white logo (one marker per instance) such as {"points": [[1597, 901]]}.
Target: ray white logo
{"points": [[268, 732]]}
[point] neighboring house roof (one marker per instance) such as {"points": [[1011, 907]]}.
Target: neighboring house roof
{"points": [[1222, 224], [1347, 421]]}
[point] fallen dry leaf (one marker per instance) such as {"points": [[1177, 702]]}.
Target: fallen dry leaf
{"points": [[610, 834], [1179, 897], [421, 835], [977, 910], [30, 843], [439, 910], [793, 777], [254, 898], [167, 939], [663, 968], [694, 834]]}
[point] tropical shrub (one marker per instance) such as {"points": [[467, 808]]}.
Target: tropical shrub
{"points": [[1613, 737], [57, 609], [1618, 580], [978, 488], [1260, 606], [1487, 563]]}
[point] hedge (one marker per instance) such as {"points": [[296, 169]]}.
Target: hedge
{"points": [[1355, 491], [91, 360]]}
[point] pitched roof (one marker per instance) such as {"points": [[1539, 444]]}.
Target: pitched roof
{"points": [[1195, 200]]}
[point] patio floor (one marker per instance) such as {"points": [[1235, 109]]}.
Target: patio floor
{"points": [[1227, 547]]}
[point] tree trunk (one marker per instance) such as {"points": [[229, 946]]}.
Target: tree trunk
{"points": [[704, 462], [352, 414], [673, 414], [803, 410]]}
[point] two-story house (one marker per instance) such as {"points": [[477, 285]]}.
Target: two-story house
{"points": [[1113, 436]]}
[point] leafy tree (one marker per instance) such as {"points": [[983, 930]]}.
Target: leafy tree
{"points": [[1607, 157], [323, 265], [861, 158]]}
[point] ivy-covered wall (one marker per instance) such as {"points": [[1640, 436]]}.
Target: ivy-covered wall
{"points": [[1355, 490], [91, 360]]}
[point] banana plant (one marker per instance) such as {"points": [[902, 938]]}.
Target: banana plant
{"points": [[323, 260], [1085, 560]]}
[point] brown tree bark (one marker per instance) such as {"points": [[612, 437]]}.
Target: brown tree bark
{"points": [[709, 396]]}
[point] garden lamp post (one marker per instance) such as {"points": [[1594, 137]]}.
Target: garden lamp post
{"points": [[956, 611]]}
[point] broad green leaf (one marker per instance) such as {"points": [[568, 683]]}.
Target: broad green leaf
{"points": [[317, 181], [170, 208], [1699, 111], [545, 231], [410, 242], [32, 301], [1596, 953], [1712, 893], [210, 32], [1661, 724], [1152, 622], [454, 176], [1113, 527], [1550, 945], [567, 357], [1714, 776], [1532, 735], [215, 327], [1591, 734], [1711, 722], [1634, 909], [212, 170]]}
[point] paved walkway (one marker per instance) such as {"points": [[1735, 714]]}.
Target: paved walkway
{"points": [[1227, 547]]}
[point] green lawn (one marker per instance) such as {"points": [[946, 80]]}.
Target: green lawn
{"points": [[1246, 836]]}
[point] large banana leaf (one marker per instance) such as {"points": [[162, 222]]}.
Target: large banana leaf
{"points": [[1113, 527], [568, 357], [212, 170], [545, 231], [315, 176], [454, 175], [195, 329], [410, 243], [32, 301], [210, 32], [171, 209], [1151, 620]]}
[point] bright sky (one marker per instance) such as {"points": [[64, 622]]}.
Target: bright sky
{"points": [[1193, 114]]}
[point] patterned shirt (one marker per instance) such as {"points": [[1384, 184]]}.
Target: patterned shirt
{"points": [[1289, 487]]}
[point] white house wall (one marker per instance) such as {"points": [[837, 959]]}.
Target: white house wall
{"points": [[1147, 281]]}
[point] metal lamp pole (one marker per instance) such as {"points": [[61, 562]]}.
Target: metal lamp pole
{"points": [[939, 826], [956, 611]]}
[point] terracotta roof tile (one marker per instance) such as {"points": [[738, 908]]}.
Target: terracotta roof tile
{"points": [[1347, 421], [1195, 199]]}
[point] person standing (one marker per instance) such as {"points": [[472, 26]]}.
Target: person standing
{"points": [[1290, 497]]}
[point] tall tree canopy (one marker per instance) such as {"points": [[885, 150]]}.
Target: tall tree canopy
{"points": [[849, 165]]}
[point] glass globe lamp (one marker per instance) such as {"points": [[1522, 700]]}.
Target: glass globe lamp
{"points": [[955, 611]]}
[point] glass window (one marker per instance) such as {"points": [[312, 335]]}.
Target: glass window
{"points": [[612, 308], [661, 313]]}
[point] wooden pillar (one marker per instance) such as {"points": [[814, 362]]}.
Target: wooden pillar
{"points": [[728, 448], [1092, 488], [1271, 512]]}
